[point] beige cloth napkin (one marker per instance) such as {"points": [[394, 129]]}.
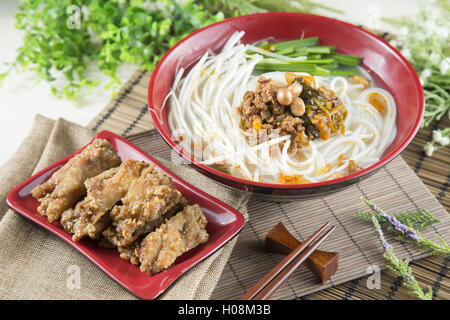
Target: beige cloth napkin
{"points": [[35, 264]]}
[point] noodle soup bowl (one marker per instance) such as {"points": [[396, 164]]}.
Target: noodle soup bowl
{"points": [[389, 69]]}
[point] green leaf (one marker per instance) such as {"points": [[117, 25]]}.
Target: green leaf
{"points": [[116, 32]]}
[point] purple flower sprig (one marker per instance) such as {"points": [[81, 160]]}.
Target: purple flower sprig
{"points": [[404, 229], [407, 232], [400, 267], [385, 244]]}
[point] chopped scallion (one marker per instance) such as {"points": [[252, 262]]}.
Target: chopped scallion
{"points": [[344, 59], [321, 49], [299, 43]]}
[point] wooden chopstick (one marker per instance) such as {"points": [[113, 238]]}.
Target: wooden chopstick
{"points": [[273, 285], [293, 260]]}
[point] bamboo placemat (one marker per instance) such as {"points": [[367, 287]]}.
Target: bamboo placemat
{"points": [[395, 187]]}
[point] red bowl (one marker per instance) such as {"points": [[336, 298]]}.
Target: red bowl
{"points": [[388, 67]]}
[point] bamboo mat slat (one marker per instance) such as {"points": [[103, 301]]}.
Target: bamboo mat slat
{"points": [[409, 182]]}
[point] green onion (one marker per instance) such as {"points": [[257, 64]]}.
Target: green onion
{"points": [[268, 47], [285, 51], [294, 55], [263, 44], [343, 73], [301, 51], [321, 72], [314, 56], [321, 49], [267, 66], [315, 61], [344, 59], [319, 59], [329, 66], [299, 43], [291, 66]]}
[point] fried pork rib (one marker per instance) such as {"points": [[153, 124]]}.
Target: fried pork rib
{"points": [[149, 200], [90, 218], [130, 252], [66, 185], [179, 234], [125, 203]]}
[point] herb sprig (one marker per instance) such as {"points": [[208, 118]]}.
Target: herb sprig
{"points": [[407, 227], [424, 41], [114, 32], [418, 220], [401, 266]]}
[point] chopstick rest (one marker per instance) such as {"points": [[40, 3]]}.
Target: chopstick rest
{"points": [[322, 263], [265, 287]]}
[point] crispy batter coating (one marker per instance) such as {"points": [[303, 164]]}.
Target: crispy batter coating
{"points": [[149, 200], [90, 216], [125, 203], [66, 185], [179, 234], [130, 252]]}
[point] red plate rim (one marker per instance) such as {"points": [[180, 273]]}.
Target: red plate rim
{"points": [[175, 271]]}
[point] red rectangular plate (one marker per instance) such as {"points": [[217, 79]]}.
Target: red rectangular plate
{"points": [[224, 223]]}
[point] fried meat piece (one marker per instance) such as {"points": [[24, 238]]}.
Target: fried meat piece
{"points": [[68, 220], [90, 218], [149, 200], [179, 234], [71, 215], [130, 252], [66, 186]]}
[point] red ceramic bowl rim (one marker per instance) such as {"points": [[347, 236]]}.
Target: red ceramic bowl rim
{"points": [[386, 158]]}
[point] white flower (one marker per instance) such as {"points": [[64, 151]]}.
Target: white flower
{"points": [[406, 53], [442, 32], [437, 135], [423, 54], [404, 31], [420, 36], [424, 75], [444, 66], [445, 141], [430, 27], [429, 149], [434, 58]]}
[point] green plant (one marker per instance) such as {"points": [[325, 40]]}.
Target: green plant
{"points": [[63, 38], [425, 41], [401, 266], [407, 226]]}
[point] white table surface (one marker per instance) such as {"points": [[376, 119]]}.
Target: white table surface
{"points": [[21, 99]]}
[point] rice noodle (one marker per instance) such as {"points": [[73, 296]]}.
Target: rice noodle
{"points": [[203, 110]]}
